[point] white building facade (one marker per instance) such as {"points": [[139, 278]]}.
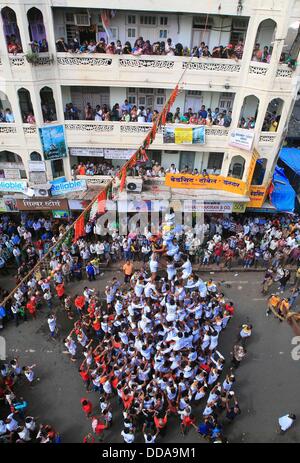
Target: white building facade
{"points": [[246, 87]]}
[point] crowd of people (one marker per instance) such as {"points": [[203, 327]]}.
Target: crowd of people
{"points": [[144, 47], [16, 426], [151, 340], [128, 112]]}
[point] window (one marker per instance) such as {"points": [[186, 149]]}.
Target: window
{"points": [[160, 100], [163, 33], [131, 32], [194, 92], [142, 101], [164, 20], [131, 19], [132, 100], [148, 20], [160, 91], [215, 161], [70, 18]]}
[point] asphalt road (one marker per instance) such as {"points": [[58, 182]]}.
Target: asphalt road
{"points": [[267, 383]]}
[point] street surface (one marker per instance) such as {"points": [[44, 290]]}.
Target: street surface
{"points": [[267, 382]]}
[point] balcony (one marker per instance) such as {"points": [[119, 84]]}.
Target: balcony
{"points": [[130, 135]]}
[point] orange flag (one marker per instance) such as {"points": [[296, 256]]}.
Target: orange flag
{"points": [[79, 228]]}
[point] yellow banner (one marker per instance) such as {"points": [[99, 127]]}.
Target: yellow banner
{"points": [[206, 182], [239, 207], [257, 196], [255, 156], [183, 135]]}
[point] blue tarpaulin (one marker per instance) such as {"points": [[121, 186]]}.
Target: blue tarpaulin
{"points": [[291, 157], [283, 194]]}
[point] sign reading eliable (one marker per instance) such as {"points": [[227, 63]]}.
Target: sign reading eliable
{"points": [[206, 182], [16, 186], [258, 196], [241, 138], [68, 187]]}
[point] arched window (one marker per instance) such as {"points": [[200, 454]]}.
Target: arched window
{"points": [[10, 157], [291, 45], [48, 104], [35, 156], [273, 115], [26, 106], [11, 31], [249, 112], [237, 166], [264, 41], [37, 31], [259, 171]]}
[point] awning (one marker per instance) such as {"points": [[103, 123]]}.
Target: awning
{"points": [[282, 193], [291, 157]]}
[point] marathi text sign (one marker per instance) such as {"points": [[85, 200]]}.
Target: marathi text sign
{"points": [[241, 138], [53, 142], [17, 186], [184, 135], [42, 204], [36, 166], [257, 196], [68, 187], [206, 182]]}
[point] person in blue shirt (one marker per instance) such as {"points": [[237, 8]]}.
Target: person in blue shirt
{"points": [[90, 271], [202, 112]]}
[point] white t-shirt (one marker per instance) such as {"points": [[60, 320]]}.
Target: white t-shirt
{"points": [[285, 422]]}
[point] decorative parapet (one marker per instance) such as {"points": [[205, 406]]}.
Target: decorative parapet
{"points": [[83, 60], [211, 66]]}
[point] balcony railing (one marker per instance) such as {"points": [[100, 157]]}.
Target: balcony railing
{"points": [[8, 128]]}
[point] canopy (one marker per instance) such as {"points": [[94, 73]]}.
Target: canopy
{"points": [[291, 157], [282, 193]]}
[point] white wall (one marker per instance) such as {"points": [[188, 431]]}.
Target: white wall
{"points": [[117, 95]]}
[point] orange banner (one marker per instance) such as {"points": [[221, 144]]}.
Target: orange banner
{"points": [[257, 196], [206, 182]]}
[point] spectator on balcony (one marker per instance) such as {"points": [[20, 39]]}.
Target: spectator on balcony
{"points": [[34, 45], [88, 112], [149, 115], [178, 49], [218, 52], [115, 113], [118, 50], [43, 46], [266, 56], [172, 169], [91, 48], [125, 117], [227, 118], [13, 46], [30, 119], [206, 53], [126, 106], [127, 50], [138, 46], [61, 45], [176, 117], [209, 121], [141, 114], [239, 49], [203, 112], [83, 47], [147, 48], [111, 48], [98, 114], [8, 116], [170, 48], [195, 52], [201, 49], [101, 46], [194, 119], [257, 53]]}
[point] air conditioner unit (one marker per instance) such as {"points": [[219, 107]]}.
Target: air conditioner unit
{"points": [[41, 192], [134, 184], [82, 19]]}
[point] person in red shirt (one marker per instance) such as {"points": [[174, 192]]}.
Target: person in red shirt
{"points": [[79, 304], [31, 307], [60, 291], [98, 427], [160, 421], [86, 406], [187, 421], [218, 252], [229, 308], [84, 373]]}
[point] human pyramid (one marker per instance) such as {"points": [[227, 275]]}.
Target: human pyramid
{"points": [[153, 344]]}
